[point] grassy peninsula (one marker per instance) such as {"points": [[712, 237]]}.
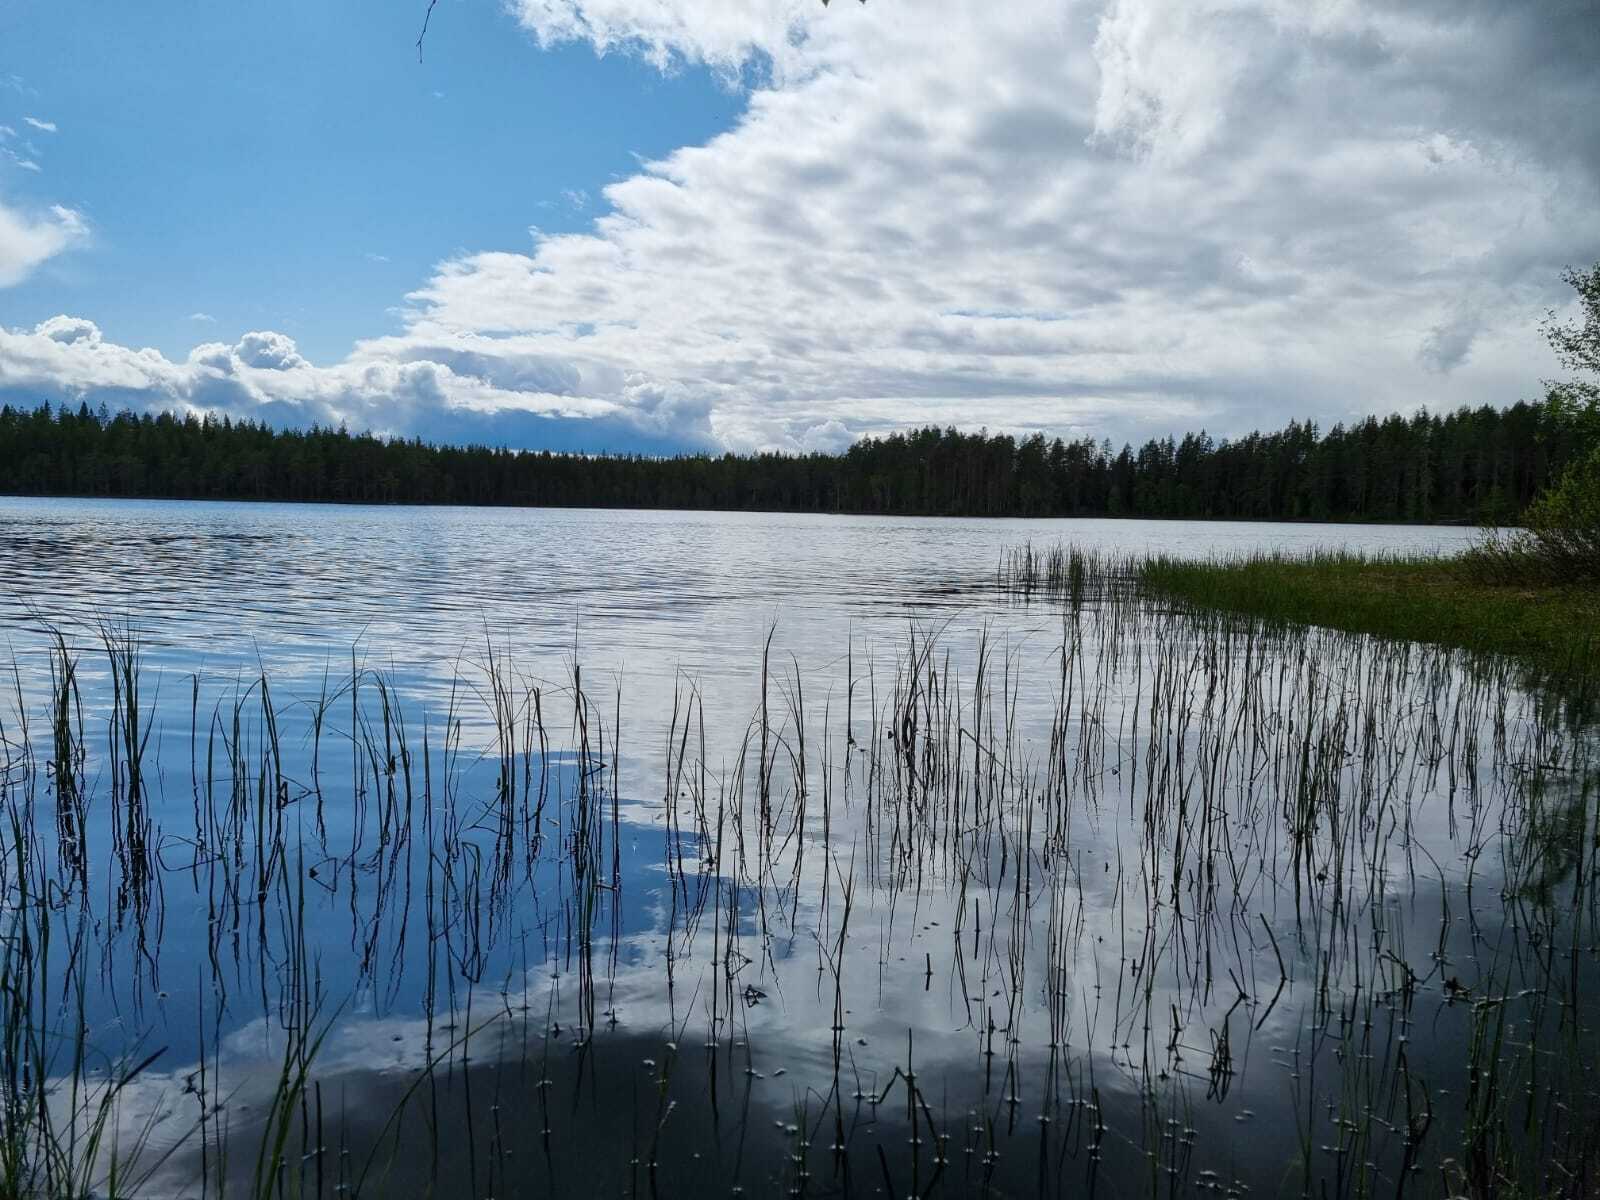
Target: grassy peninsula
{"points": [[1532, 593], [1553, 627]]}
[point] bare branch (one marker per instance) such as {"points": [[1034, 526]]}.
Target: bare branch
{"points": [[427, 16]]}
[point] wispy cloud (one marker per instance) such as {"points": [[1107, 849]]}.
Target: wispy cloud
{"points": [[41, 126], [28, 239], [203, 318], [376, 258]]}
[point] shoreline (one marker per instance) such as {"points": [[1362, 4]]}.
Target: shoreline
{"points": [[1555, 630], [1373, 522]]}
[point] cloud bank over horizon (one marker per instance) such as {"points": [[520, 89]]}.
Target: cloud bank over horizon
{"points": [[1108, 219]]}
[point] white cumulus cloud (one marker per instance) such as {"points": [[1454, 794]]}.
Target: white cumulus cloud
{"points": [[1080, 217], [264, 376]]}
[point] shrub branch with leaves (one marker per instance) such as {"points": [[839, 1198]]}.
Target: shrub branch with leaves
{"points": [[1560, 539]]}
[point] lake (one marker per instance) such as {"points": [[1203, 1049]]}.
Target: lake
{"points": [[492, 852]]}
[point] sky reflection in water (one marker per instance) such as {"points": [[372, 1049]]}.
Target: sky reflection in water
{"points": [[1136, 903]]}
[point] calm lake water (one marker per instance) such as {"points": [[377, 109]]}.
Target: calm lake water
{"points": [[216, 583], [468, 852]]}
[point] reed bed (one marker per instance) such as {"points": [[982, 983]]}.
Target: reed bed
{"points": [[1152, 902]]}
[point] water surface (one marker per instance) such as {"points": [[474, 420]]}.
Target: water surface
{"points": [[585, 852]]}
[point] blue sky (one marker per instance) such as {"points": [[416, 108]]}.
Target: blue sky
{"points": [[292, 166], [668, 224]]}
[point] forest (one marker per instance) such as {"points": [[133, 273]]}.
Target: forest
{"points": [[1470, 465]]}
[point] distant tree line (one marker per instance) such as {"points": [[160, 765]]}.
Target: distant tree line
{"points": [[1469, 465]]}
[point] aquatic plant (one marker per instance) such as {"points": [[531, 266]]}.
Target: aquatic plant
{"points": [[1062, 904]]}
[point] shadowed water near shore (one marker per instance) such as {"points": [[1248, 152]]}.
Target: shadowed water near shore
{"points": [[1062, 892]]}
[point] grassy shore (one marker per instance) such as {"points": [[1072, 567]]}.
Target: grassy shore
{"points": [[1556, 630]]}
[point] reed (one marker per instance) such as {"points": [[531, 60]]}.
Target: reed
{"points": [[1080, 900]]}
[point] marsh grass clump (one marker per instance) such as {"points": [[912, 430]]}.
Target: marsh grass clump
{"points": [[1063, 571], [1553, 631]]}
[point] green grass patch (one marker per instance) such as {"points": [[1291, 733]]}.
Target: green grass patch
{"points": [[1553, 629]]}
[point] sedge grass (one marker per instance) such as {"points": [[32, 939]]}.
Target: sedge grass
{"points": [[1553, 629], [1145, 844]]}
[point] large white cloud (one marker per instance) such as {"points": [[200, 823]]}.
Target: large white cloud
{"points": [[1114, 218]]}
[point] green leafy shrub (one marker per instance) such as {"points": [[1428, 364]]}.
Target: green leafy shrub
{"points": [[1560, 539], [1563, 524]]}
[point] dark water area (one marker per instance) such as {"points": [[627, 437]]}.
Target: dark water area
{"points": [[482, 853]]}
